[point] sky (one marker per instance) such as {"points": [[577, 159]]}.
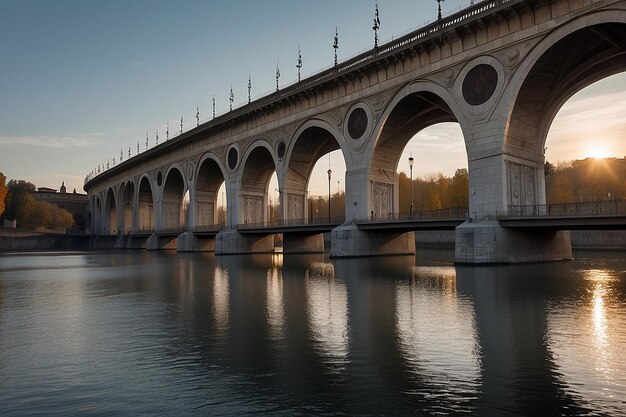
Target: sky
{"points": [[81, 80]]}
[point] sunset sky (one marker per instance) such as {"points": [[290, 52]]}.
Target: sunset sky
{"points": [[82, 79]]}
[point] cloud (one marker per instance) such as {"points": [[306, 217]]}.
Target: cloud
{"points": [[54, 142]]}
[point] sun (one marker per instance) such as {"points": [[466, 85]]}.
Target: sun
{"points": [[598, 152]]}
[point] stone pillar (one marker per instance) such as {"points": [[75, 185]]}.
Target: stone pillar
{"points": [[496, 181], [348, 240], [188, 242], [303, 243]]}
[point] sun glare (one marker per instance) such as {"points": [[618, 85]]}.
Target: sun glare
{"points": [[598, 152]]}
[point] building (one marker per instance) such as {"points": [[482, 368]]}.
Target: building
{"points": [[73, 202]]}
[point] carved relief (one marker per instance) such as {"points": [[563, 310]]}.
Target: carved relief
{"points": [[378, 103], [382, 199], [521, 180], [252, 209], [529, 186], [515, 183], [295, 206], [336, 115]]}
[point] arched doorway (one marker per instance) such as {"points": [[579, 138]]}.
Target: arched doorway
{"points": [[110, 215], [253, 194]]}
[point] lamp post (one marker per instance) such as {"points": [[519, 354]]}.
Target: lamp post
{"points": [[411, 160], [329, 176]]}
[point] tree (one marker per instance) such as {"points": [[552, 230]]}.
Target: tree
{"points": [[3, 191]]}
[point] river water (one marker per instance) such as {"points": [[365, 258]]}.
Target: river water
{"points": [[160, 333]]}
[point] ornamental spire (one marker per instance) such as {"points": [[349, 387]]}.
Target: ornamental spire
{"points": [[336, 45]]}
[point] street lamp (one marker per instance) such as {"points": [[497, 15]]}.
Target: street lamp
{"points": [[411, 160], [329, 176]]}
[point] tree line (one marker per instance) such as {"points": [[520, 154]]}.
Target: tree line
{"points": [[583, 180], [18, 203]]}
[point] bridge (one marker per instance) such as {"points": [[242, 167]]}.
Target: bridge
{"points": [[501, 69]]}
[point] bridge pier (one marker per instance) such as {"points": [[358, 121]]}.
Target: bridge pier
{"points": [[489, 243], [297, 243], [348, 241], [189, 242], [156, 242], [232, 242]]}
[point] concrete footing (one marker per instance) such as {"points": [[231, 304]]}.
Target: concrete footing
{"points": [[156, 242], [231, 242], [349, 241], [188, 242], [489, 243], [297, 243]]}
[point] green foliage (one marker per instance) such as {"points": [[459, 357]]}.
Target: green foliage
{"points": [[31, 213]]}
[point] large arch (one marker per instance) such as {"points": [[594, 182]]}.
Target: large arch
{"points": [[556, 69], [128, 195], [172, 208], [258, 166], [145, 203], [415, 107], [313, 140], [110, 215], [209, 179]]}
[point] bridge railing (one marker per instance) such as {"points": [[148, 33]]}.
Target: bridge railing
{"points": [[209, 227], [279, 223], [589, 208], [453, 213]]}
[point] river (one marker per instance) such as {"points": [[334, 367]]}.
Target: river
{"points": [[160, 333]]}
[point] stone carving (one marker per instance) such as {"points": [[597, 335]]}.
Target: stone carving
{"points": [[529, 186], [295, 204], [382, 199], [190, 169], [514, 183], [378, 103], [253, 209], [448, 78]]}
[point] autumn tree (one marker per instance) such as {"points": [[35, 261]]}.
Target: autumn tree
{"points": [[3, 191]]}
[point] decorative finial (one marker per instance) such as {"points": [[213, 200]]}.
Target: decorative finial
{"points": [[157, 136], [249, 88], [214, 107], [113, 161], [231, 97], [197, 116], [277, 75], [336, 45], [167, 132], [181, 125], [129, 151], [138, 145], [146, 142], [121, 155], [299, 63], [376, 26], [439, 9]]}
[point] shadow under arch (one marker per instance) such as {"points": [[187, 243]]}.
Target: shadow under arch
{"points": [[110, 215], [314, 139], [145, 205], [172, 209], [415, 107], [128, 194], [556, 69], [259, 163], [210, 176]]}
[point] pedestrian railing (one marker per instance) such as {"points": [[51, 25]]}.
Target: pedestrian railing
{"points": [[284, 223], [589, 208], [454, 213]]}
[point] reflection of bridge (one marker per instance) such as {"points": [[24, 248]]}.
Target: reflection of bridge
{"points": [[501, 69]]}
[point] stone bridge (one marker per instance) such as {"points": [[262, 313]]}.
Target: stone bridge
{"points": [[501, 69]]}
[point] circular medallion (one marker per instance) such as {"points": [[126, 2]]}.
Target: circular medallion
{"points": [[357, 123], [190, 171], [479, 85], [233, 158], [281, 149], [159, 178]]}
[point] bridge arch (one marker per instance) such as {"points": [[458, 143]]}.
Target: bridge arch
{"points": [[173, 210], [128, 205], [110, 213], [311, 141], [554, 71], [145, 204], [210, 176], [257, 166], [414, 107]]}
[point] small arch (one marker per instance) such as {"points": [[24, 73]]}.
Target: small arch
{"points": [[110, 216], [145, 202], [209, 178], [128, 195], [173, 210], [259, 163]]}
